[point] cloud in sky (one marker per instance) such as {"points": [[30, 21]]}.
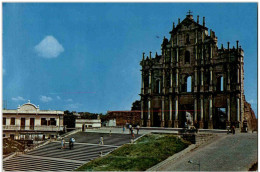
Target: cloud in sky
{"points": [[58, 97], [45, 99], [69, 100], [19, 98], [4, 71], [73, 106], [49, 47], [252, 101]]}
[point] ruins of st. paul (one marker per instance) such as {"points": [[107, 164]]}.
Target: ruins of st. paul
{"points": [[193, 76]]}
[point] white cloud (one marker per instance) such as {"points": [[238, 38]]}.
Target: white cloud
{"points": [[49, 47], [252, 101], [69, 100], [45, 99], [58, 97], [73, 106], [19, 98]]}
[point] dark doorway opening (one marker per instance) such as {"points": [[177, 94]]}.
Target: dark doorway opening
{"points": [[156, 118], [22, 123], [220, 118]]}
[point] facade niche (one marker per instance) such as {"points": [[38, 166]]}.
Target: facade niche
{"points": [[187, 57]]}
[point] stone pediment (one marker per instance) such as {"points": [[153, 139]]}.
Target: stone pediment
{"points": [[28, 107]]}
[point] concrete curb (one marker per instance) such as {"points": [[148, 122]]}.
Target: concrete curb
{"points": [[174, 157]]}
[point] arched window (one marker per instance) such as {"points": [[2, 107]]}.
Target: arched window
{"points": [[187, 39], [189, 84], [187, 57], [220, 83]]}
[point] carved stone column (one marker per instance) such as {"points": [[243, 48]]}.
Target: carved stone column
{"points": [[142, 112], [202, 80], [176, 121], [150, 82], [162, 121], [177, 81], [201, 113], [211, 80], [149, 113], [170, 112], [195, 110], [196, 80], [238, 109], [210, 124], [228, 111]]}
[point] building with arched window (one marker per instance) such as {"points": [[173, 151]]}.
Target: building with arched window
{"points": [[28, 122], [194, 75]]}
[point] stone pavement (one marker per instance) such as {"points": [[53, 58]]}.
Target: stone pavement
{"points": [[227, 153], [51, 157]]}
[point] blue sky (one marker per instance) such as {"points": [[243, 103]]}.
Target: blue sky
{"points": [[85, 56]]}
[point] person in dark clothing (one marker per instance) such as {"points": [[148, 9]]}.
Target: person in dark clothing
{"points": [[233, 129]]}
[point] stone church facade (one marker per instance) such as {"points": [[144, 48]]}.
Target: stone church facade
{"points": [[193, 76]]}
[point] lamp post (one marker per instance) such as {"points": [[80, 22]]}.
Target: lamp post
{"points": [[191, 162]]}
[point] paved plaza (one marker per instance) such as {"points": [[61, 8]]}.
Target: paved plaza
{"points": [[227, 153]]}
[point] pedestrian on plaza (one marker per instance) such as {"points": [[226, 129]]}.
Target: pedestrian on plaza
{"points": [[61, 143], [70, 144], [110, 133], [137, 129], [123, 128], [133, 134], [101, 141], [64, 146], [130, 128], [233, 129]]}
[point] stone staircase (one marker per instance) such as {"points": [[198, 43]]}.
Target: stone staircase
{"points": [[51, 157]]}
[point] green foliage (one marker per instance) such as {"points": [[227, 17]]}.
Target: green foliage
{"points": [[145, 153]]}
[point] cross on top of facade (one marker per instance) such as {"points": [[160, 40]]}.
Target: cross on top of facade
{"points": [[189, 12]]}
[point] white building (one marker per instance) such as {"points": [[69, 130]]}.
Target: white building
{"points": [[29, 122], [88, 123]]}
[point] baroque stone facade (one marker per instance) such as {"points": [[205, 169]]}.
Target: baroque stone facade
{"points": [[193, 76]]}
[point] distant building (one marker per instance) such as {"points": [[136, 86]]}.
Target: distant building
{"points": [[29, 122], [124, 117], [88, 123]]}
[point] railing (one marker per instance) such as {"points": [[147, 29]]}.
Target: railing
{"points": [[33, 128]]}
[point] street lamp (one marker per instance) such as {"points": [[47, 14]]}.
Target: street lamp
{"points": [[191, 162]]}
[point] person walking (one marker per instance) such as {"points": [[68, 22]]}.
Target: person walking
{"points": [[101, 141], [137, 129], [233, 129], [133, 134], [70, 144], [64, 145], [61, 143], [123, 128], [130, 128]]}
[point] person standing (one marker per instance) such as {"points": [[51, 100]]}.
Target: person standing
{"points": [[130, 129], [123, 128], [137, 129], [101, 141], [61, 143], [70, 144]]}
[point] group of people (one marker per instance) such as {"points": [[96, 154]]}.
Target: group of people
{"points": [[131, 130], [71, 143]]}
